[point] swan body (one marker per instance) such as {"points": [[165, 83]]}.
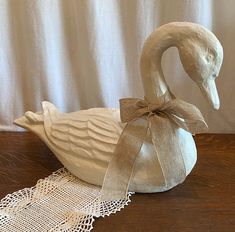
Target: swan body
{"points": [[84, 141]]}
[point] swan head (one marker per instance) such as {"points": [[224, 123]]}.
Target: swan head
{"points": [[201, 55]]}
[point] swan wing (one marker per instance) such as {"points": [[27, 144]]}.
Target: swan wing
{"points": [[91, 133]]}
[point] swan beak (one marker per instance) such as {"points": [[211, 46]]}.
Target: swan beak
{"points": [[209, 90]]}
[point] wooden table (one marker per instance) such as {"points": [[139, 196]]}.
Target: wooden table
{"points": [[204, 202]]}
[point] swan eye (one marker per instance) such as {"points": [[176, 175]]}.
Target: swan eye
{"points": [[209, 58]]}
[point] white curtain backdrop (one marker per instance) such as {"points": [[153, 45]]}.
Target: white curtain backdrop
{"points": [[81, 54]]}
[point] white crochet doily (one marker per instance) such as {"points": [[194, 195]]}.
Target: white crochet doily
{"points": [[60, 202]]}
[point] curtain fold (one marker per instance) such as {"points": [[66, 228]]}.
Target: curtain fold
{"points": [[81, 54]]}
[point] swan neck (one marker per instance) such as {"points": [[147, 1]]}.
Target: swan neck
{"points": [[151, 70]]}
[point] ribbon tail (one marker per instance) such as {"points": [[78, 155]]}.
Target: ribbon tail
{"points": [[168, 150], [119, 172]]}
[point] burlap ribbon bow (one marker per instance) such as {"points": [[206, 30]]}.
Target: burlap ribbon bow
{"points": [[162, 119]]}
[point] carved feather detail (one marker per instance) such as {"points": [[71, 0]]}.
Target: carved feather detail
{"points": [[80, 133]]}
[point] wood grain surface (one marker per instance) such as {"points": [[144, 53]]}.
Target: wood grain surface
{"points": [[204, 202]]}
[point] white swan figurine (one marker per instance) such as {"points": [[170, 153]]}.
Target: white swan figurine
{"points": [[84, 141]]}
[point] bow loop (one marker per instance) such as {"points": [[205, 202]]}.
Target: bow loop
{"points": [[185, 115], [132, 108]]}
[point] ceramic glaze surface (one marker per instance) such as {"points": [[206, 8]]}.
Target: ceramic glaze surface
{"points": [[84, 141]]}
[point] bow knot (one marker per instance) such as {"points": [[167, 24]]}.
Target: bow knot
{"points": [[134, 108]]}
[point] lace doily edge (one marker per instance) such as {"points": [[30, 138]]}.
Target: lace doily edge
{"points": [[24, 197]]}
